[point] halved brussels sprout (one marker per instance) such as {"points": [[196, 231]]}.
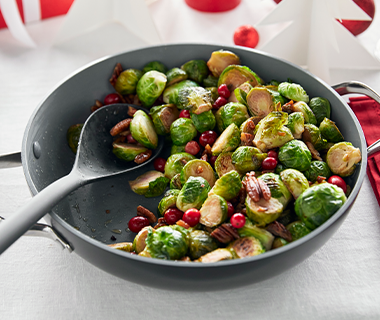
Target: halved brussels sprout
{"points": [[277, 188], [330, 131], [150, 184], [176, 162], [318, 203], [193, 193], [264, 211], [198, 168], [73, 135], [168, 201], [251, 230], [167, 242], [142, 130], [228, 185], [175, 182], [171, 93], [296, 124], [177, 149], [293, 91], [139, 241], [312, 134], [321, 108], [163, 116], [123, 246], [204, 121], [260, 102], [150, 87], [247, 158], [276, 96], [242, 91], [213, 211], [195, 99], [216, 255], [182, 131], [210, 81], [246, 247], [298, 230], [271, 131], [342, 158], [317, 169], [126, 82], [227, 141], [220, 60], [200, 243], [175, 75], [308, 114], [126, 151], [155, 66], [295, 154], [223, 164], [196, 70], [295, 181], [235, 75]]}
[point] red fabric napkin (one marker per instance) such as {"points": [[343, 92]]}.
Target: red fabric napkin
{"points": [[367, 111]]}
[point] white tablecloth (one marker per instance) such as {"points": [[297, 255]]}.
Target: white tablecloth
{"points": [[40, 281]]}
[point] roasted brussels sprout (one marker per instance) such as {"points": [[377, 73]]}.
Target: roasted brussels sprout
{"points": [[321, 108], [228, 185], [163, 116], [296, 124], [247, 158], [242, 91], [277, 188], [175, 75], [295, 181], [177, 149], [295, 154], [195, 99], [150, 87], [235, 75], [298, 230], [176, 162], [182, 131], [168, 201], [246, 247], [232, 112], [318, 203], [150, 184], [142, 130], [220, 60], [214, 93], [213, 211], [200, 243], [293, 91], [139, 241], [168, 242], [198, 168], [126, 82], [308, 115], [260, 102], [193, 193], [317, 169], [216, 255], [227, 141], [342, 158], [271, 131], [155, 66], [73, 135], [196, 70], [175, 182], [126, 151], [330, 131], [171, 93], [210, 81], [204, 121], [279, 242], [276, 96], [264, 211], [251, 230], [223, 164], [312, 134]]}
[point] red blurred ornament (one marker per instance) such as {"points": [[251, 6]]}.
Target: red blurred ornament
{"points": [[246, 36], [213, 5]]}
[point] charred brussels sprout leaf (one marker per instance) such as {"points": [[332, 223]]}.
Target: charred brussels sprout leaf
{"points": [[220, 60], [227, 141], [126, 151], [321, 108], [247, 158], [196, 70], [204, 121], [228, 185], [295, 181], [182, 131], [123, 246], [163, 116], [308, 114], [232, 112], [246, 247], [175, 182], [214, 211], [342, 158], [151, 184], [260, 102], [155, 66], [168, 201], [150, 87], [193, 193], [200, 243], [293, 91], [277, 188], [175, 75], [318, 203], [142, 130], [126, 82], [296, 124], [176, 162], [251, 230], [317, 169], [235, 75], [195, 99], [198, 168], [298, 230], [295, 154], [210, 81], [330, 131], [171, 93], [73, 135]]}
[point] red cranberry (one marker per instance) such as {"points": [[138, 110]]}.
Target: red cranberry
{"points": [[130, 139], [112, 98], [192, 147], [223, 91], [207, 137], [159, 164], [237, 220], [191, 217], [137, 223], [184, 114], [338, 181], [231, 209], [212, 160], [273, 154], [219, 103], [172, 215], [269, 163]]}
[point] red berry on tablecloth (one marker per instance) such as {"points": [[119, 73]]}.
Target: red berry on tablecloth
{"points": [[246, 36]]}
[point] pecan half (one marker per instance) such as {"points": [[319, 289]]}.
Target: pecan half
{"points": [[278, 229], [131, 111], [225, 233], [256, 188], [314, 153], [116, 73], [144, 212], [265, 191], [183, 224], [143, 156], [161, 222], [120, 127], [246, 139], [96, 106], [288, 107]]}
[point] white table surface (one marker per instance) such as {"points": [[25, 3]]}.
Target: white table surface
{"points": [[40, 281]]}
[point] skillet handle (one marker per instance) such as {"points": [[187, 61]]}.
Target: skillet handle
{"points": [[360, 88]]}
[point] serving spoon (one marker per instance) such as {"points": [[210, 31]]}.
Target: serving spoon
{"points": [[94, 161]]}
